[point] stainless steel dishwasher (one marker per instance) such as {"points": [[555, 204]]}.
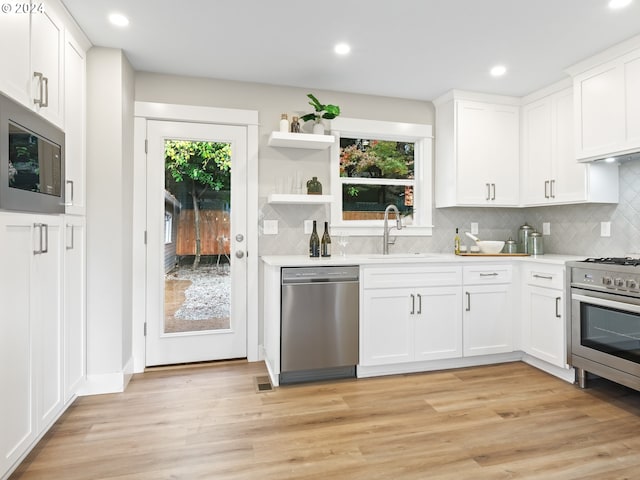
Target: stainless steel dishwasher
{"points": [[319, 323]]}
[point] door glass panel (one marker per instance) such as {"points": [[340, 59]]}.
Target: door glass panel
{"points": [[197, 207], [610, 331]]}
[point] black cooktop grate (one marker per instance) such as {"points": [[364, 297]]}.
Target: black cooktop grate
{"points": [[633, 262]]}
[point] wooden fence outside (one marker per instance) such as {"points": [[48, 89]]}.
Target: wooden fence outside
{"points": [[214, 233]]}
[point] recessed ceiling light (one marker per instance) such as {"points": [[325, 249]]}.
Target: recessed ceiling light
{"points": [[615, 4], [498, 70], [342, 48], [118, 20]]}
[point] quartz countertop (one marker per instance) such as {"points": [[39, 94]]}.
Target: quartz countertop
{"points": [[402, 258]]}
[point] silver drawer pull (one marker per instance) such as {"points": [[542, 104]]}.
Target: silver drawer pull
{"points": [[494, 274], [544, 277]]}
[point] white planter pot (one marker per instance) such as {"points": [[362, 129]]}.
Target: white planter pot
{"points": [[318, 128]]}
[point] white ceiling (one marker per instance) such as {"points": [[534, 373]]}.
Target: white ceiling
{"points": [[415, 49]]}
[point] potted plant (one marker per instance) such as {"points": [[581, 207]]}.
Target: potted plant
{"points": [[321, 111]]}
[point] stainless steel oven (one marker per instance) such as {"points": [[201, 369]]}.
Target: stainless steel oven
{"points": [[605, 321]]}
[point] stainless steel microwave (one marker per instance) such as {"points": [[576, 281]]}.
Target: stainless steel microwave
{"points": [[31, 161]]}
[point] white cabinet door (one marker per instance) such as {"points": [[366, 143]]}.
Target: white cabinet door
{"points": [[17, 403], [537, 152], [47, 305], [488, 153], [544, 335], [487, 322], [47, 47], [74, 305], [14, 57], [632, 105], [74, 106], [438, 323], [386, 327]]}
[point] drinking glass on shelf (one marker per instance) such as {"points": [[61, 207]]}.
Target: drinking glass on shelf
{"points": [[343, 241]]}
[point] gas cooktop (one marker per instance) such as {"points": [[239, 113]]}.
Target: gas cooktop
{"points": [[633, 262]]}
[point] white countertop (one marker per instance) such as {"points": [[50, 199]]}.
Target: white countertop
{"points": [[379, 259]]}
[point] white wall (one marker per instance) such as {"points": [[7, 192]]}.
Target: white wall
{"points": [[109, 163]]}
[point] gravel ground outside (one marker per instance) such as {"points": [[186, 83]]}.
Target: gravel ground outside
{"points": [[208, 296]]}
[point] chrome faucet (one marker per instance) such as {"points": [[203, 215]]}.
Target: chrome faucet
{"points": [[385, 234]]}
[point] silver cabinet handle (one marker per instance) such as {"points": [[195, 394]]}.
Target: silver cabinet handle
{"points": [[494, 274], [544, 277], [546, 189], [239, 254], [72, 246], [43, 241], [413, 304], [419, 304], [553, 193], [468, 309], [488, 191], [493, 197], [70, 183], [43, 83], [557, 307]]}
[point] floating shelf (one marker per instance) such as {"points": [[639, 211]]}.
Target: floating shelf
{"points": [[294, 199], [301, 140]]}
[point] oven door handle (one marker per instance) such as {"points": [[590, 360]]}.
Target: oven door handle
{"points": [[627, 307]]}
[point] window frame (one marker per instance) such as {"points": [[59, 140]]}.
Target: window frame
{"points": [[421, 135]]}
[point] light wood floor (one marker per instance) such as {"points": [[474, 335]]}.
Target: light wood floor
{"points": [[507, 421]]}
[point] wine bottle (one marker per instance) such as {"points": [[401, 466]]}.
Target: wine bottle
{"points": [[456, 243], [325, 246], [314, 242]]}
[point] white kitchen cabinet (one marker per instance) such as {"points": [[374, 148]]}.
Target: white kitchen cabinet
{"points": [[410, 314], [544, 323], [31, 339], [488, 311], [15, 37], [74, 305], [607, 107], [75, 119], [550, 173], [477, 150], [47, 47]]}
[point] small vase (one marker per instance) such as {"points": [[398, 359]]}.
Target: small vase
{"points": [[314, 187], [318, 128]]}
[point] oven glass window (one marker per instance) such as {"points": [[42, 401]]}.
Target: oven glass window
{"points": [[611, 331], [34, 163]]}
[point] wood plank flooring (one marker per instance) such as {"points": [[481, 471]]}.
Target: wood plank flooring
{"points": [[507, 421]]}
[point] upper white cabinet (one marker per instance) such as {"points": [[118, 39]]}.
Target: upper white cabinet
{"points": [[47, 46], [607, 106], [15, 36], [32, 50], [74, 106], [550, 173], [477, 150]]}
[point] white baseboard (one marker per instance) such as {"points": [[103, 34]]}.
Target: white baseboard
{"points": [[116, 382]]}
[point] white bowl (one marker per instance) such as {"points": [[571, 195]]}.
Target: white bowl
{"points": [[490, 246]]}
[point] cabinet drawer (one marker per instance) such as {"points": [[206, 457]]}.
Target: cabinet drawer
{"points": [[487, 274], [411, 276], [547, 276]]}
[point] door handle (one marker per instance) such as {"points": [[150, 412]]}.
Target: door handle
{"points": [[544, 277], [419, 304], [546, 189], [39, 101], [45, 81], [239, 254], [39, 242], [70, 202], [557, 307], [494, 274], [553, 193], [413, 304], [493, 197], [468, 309], [488, 191]]}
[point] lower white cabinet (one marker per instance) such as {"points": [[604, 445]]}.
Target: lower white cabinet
{"points": [[31, 338], [488, 312], [405, 317], [544, 328], [74, 305]]}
